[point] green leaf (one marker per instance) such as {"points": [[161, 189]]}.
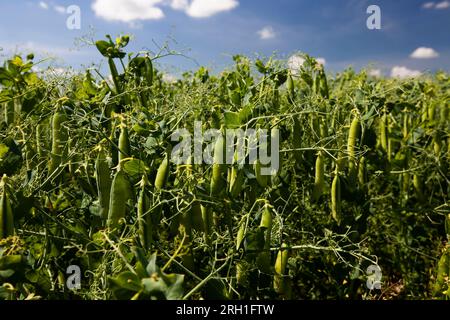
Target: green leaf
{"points": [[3, 150], [260, 66], [134, 168], [103, 46], [10, 262], [161, 285], [125, 285], [232, 120]]}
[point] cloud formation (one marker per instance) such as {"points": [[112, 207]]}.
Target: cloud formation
{"points": [[437, 5], [403, 72], [60, 9], [424, 53], [266, 33], [203, 8], [43, 5], [128, 10], [131, 11]]}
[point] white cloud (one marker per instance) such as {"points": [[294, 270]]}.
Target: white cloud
{"points": [[43, 5], [403, 72], [321, 61], [179, 4], [438, 6], [294, 63], [424, 53], [60, 9], [443, 5], [203, 8], [128, 10], [266, 33], [374, 73]]}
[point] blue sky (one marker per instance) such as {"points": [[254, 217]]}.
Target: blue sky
{"points": [[208, 32]]}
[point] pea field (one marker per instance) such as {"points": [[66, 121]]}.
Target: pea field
{"points": [[92, 206]]}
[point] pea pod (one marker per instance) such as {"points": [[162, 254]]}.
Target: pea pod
{"points": [[263, 259], [280, 281], [124, 143], [149, 71], [351, 143], [442, 284], [362, 172], [241, 232], [236, 181], [10, 112], [447, 226], [217, 167], [319, 180], [437, 143], [103, 177], [59, 138], [418, 188], [336, 199], [383, 138], [324, 91], [260, 178], [6, 213], [119, 195], [162, 174], [145, 223]]}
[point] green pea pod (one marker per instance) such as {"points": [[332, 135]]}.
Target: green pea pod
{"points": [[336, 199], [119, 195], [241, 233], [218, 167], [418, 187], [102, 173], [442, 284], [266, 217], [383, 125], [124, 143], [59, 139], [260, 178], [145, 223], [353, 135], [447, 226], [236, 182], [280, 284], [6, 214], [162, 174], [290, 86], [10, 112], [319, 182], [207, 217], [148, 71], [324, 91]]}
